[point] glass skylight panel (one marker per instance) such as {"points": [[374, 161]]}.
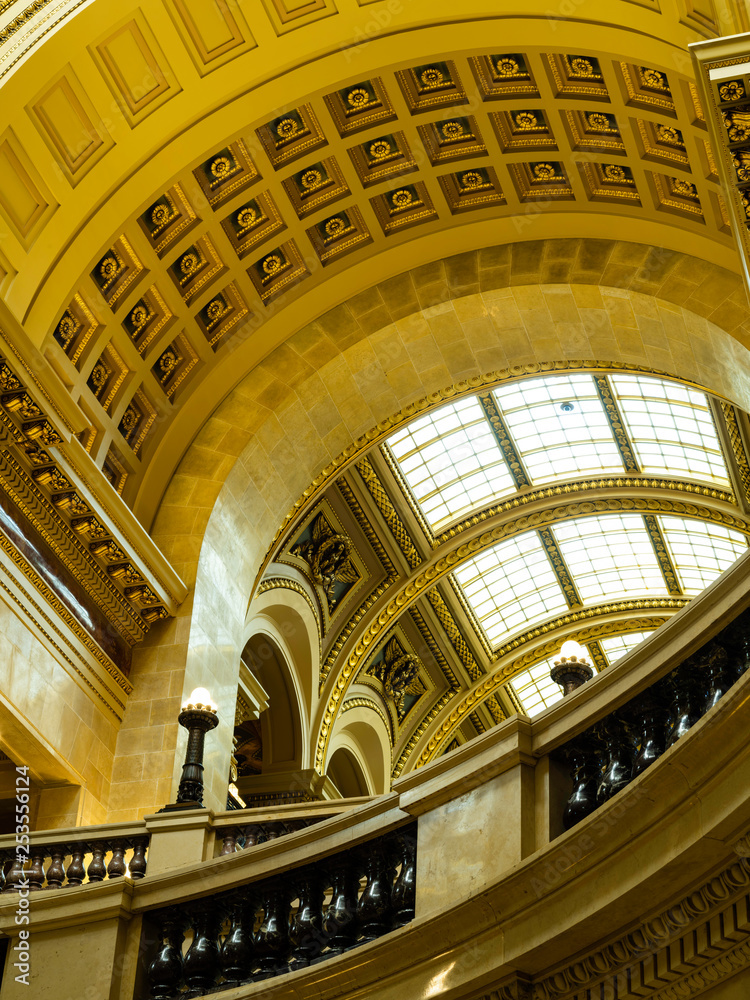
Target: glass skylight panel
{"points": [[610, 556], [535, 689], [700, 550], [451, 461], [511, 586], [616, 646], [554, 443], [671, 428]]}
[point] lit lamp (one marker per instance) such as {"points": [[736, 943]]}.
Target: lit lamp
{"points": [[572, 669], [199, 717]]}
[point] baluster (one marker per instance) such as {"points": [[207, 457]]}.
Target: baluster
{"points": [[96, 869], [585, 760], [229, 843], [116, 867], [76, 872], [654, 714], [374, 911], [403, 896], [35, 874], [272, 939], [165, 972], [272, 831], [251, 835], [4, 866], [618, 768], [341, 917], [307, 935], [137, 866], [719, 680], [15, 876], [237, 950], [741, 659], [201, 965], [683, 684], [56, 872]]}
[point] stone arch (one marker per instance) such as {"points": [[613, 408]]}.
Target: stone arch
{"points": [[339, 384]]}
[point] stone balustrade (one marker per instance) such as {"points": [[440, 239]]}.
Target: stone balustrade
{"points": [[303, 916]]}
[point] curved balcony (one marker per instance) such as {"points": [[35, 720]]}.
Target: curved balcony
{"points": [[645, 896]]}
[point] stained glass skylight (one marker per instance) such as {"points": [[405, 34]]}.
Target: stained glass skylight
{"points": [[616, 646], [511, 586], [535, 689], [700, 550], [610, 556], [452, 462], [556, 443], [671, 428]]}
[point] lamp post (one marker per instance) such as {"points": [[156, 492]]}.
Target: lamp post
{"points": [[199, 717], [572, 669]]}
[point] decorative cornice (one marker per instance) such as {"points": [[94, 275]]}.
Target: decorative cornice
{"points": [[624, 482], [662, 554], [502, 436], [738, 446], [388, 512], [616, 423], [453, 632], [597, 655], [429, 641]]}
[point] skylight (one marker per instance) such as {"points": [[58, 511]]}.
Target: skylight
{"points": [[610, 556], [701, 550], [535, 689], [556, 443], [617, 646], [511, 586], [671, 428], [452, 462]]}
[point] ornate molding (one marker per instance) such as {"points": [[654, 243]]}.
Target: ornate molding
{"points": [[359, 701], [502, 436], [614, 417], [560, 568], [738, 446], [429, 641], [453, 632], [662, 554], [425, 580], [419, 732], [283, 582], [388, 511]]}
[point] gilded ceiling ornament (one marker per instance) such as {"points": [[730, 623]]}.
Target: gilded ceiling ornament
{"points": [[741, 163], [581, 67], [738, 125], [471, 179], [246, 216], [215, 308], [505, 66], [160, 214], [335, 226], [311, 179], [544, 171], [99, 375], [614, 172], [272, 264], [328, 554], [654, 78], [286, 128], [401, 198], [685, 188], [526, 120], [731, 91], [399, 674], [358, 97], [452, 129], [668, 133], [138, 315], [432, 77], [108, 268], [379, 149], [168, 362], [746, 204], [189, 263], [67, 329], [129, 420], [221, 166]]}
